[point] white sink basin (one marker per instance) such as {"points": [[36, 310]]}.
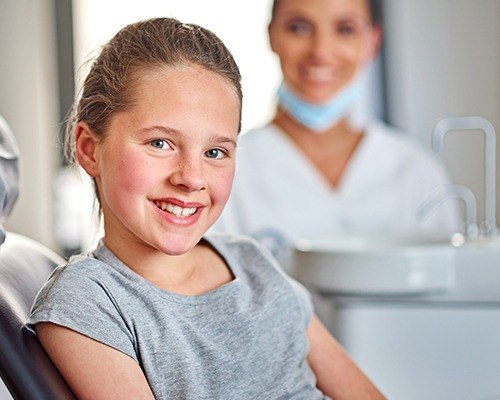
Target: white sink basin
{"points": [[362, 266], [366, 267]]}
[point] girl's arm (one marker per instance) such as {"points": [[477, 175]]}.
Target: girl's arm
{"points": [[337, 375], [93, 370]]}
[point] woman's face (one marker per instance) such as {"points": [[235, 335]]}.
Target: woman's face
{"points": [[322, 44]]}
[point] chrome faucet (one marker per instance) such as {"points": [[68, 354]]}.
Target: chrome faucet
{"points": [[475, 123], [446, 192]]}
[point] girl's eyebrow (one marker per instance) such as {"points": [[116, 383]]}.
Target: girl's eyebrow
{"points": [[160, 128], [221, 139]]}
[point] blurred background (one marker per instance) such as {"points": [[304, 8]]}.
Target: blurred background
{"points": [[440, 58]]}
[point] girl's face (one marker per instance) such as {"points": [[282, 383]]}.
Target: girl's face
{"points": [[322, 44], [165, 167]]}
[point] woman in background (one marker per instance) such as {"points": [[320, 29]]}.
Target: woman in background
{"points": [[318, 170]]}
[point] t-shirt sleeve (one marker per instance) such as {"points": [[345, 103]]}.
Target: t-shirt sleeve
{"points": [[304, 300], [80, 302]]}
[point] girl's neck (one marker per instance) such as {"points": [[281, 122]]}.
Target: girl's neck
{"points": [[198, 271]]}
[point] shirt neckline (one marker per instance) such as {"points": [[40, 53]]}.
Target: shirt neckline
{"points": [[104, 254]]}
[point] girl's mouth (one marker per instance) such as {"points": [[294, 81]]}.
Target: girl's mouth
{"points": [[176, 210]]}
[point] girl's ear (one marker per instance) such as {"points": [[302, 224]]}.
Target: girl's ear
{"points": [[86, 149]]}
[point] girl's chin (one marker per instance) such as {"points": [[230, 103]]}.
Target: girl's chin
{"points": [[178, 247]]}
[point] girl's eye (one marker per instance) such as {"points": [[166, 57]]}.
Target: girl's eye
{"points": [[215, 154], [159, 144]]}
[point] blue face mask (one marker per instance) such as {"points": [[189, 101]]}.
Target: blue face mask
{"points": [[321, 117]]}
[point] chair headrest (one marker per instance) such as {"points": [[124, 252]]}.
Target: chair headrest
{"points": [[9, 173]]}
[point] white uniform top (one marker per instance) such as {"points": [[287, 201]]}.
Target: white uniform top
{"points": [[388, 177]]}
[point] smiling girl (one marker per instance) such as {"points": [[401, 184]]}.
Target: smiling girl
{"points": [[160, 309]]}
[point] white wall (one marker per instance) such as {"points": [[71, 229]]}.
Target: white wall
{"points": [[28, 101], [241, 25], [443, 59]]}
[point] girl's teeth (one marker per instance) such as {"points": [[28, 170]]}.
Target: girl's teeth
{"points": [[176, 210]]}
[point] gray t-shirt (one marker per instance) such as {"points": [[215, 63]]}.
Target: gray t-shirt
{"points": [[243, 340]]}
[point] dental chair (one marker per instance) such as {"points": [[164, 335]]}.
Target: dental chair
{"points": [[25, 368]]}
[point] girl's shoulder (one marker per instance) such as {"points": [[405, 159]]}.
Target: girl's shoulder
{"points": [[239, 251], [86, 296], [253, 261], [86, 276], [83, 267]]}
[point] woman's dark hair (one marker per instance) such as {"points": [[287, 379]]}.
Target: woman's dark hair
{"points": [[375, 11]]}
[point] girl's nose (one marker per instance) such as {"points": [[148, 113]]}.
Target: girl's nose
{"points": [[188, 175]]}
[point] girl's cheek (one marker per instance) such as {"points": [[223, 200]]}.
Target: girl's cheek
{"points": [[135, 172], [225, 183]]}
